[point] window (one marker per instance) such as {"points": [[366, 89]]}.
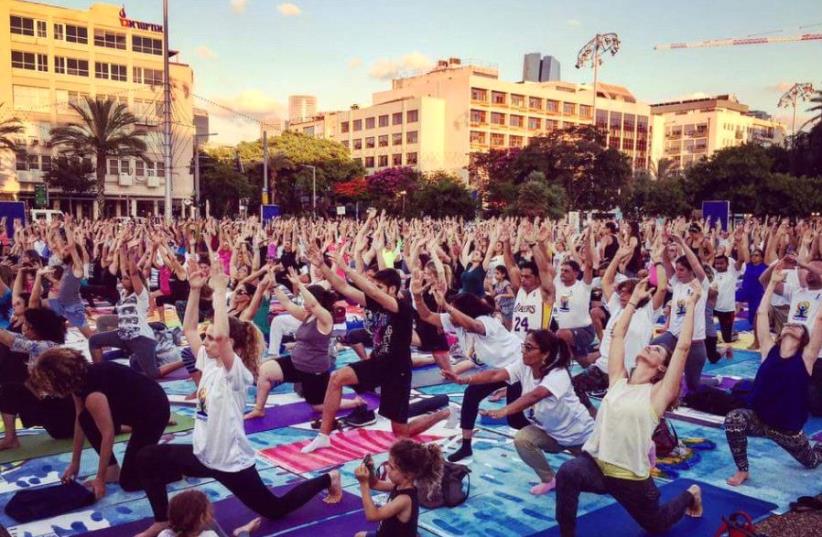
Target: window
{"points": [[45, 163], [568, 109], [139, 167], [161, 169], [22, 26], [41, 29], [552, 106], [478, 94], [517, 100], [369, 122], [411, 159], [396, 159], [477, 117], [34, 162], [497, 139], [358, 144], [535, 103], [369, 142], [551, 124], [70, 66], [150, 77], [383, 161], [412, 116], [59, 31], [345, 144], [534, 123], [396, 138], [515, 141], [109, 39], [125, 166], [383, 121], [411, 137], [76, 34], [358, 160], [497, 118], [22, 160], [344, 126], [29, 60], [383, 140], [396, 119], [497, 97], [113, 166], [585, 111], [357, 125], [112, 71], [478, 137], [516, 121], [369, 162], [77, 97], [147, 45]]}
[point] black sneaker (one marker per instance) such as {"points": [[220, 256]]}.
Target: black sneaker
{"points": [[360, 417]]}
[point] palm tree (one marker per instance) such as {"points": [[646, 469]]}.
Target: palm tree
{"points": [[9, 127], [664, 169], [107, 129], [817, 117]]}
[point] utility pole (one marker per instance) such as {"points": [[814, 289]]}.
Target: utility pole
{"points": [[592, 53], [265, 166], [166, 115]]}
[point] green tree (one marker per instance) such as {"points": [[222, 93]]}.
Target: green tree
{"points": [[735, 174], [816, 110], [787, 195], [106, 129], [646, 196], [223, 186], [71, 175], [536, 197], [8, 128], [439, 195]]}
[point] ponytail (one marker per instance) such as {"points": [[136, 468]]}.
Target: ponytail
{"points": [[248, 343], [558, 353]]}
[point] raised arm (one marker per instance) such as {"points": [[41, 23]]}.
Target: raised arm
{"points": [[340, 285], [588, 271], [510, 264], [422, 308], [616, 358], [811, 352], [693, 260], [325, 320], [763, 328], [196, 280], [220, 332]]}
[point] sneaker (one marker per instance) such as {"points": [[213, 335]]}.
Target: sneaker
{"points": [[360, 417]]}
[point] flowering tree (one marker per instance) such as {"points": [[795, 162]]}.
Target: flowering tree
{"points": [[355, 190], [390, 187]]}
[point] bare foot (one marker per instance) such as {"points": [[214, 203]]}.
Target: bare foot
{"points": [[695, 510], [113, 474], [191, 396], [153, 530], [249, 528], [753, 347], [255, 413], [171, 420], [9, 442], [729, 352], [335, 489], [737, 479]]}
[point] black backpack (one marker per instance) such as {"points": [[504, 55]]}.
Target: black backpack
{"points": [[44, 502], [454, 487]]}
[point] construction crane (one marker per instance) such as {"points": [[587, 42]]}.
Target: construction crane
{"points": [[741, 41]]}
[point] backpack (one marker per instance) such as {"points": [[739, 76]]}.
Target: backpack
{"points": [[45, 502], [738, 524], [454, 487], [665, 438]]}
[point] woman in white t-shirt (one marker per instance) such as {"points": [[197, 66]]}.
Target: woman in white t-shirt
{"points": [[558, 420], [468, 316], [228, 359]]}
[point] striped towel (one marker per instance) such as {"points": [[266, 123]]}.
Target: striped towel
{"points": [[345, 446]]}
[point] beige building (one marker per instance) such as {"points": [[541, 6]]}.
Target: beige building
{"points": [[433, 121], [688, 130], [301, 107], [55, 56]]}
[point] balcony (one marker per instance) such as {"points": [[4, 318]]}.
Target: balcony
{"points": [[479, 123]]}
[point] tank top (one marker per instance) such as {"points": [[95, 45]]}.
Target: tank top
{"points": [[635, 263], [472, 280], [310, 355], [623, 430], [611, 249], [69, 292], [392, 527], [530, 312], [780, 391]]}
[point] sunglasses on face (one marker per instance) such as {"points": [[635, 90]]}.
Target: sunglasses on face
{"points": [[241, 292], [527, 347]]}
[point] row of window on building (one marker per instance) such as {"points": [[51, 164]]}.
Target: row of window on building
{"points": [[72, 33], [33, 98], [411, 116], [481, 117], [370, 142], [381, 161], [26, 161], [694, 130], [34, 61], [500, 98]]}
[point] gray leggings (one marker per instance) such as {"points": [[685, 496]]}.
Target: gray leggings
{"points": [[695, 361], [143, 350], [639, 498], [743, 422]]}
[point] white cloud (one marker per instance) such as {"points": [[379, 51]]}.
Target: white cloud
{"points": [[205, 53], [236, 117], [573, 23], [238, 6], [289, 10], [389, 68], [354, 63]]}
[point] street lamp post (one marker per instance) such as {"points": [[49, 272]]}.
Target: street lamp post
{"points": [[592, 53], [801, 91], [197, 167], [313, 187]]}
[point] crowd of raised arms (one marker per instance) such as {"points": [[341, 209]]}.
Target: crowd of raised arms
{"points": [[504, 306]]}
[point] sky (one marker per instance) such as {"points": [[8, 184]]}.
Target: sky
{"points": [[252, 54]]}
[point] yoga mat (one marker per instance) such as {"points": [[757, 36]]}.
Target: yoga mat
{"points": [[294, 413], [430, 375], [719, 381], [428, 404], [696, 416], [614, 520], [349, 524], [41, 445], [177, 374], [817, 436], [345, 446]]}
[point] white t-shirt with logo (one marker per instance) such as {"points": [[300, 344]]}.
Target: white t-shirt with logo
{"points": [[681, 292], [497, 348], [725, 283], [530, 312], [572, 305], [792, 279], [640, 332], [220, 442], [561, 415], [804, 304]]}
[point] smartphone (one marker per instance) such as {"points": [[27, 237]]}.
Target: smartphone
{"points": [[368, 462]]}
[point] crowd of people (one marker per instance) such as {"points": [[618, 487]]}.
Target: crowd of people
{"points": [[503, 305]]}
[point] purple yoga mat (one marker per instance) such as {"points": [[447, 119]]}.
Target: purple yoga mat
{"points": [[726, 384], [348, 524], [231, 513], [177, 374], [294, 413], [817, 436]]}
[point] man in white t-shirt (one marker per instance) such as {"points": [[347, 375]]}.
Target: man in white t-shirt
{"points": [[573, 302], [533, 286], [725, 277], [805, 300]]}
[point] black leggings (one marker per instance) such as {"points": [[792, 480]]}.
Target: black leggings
{"points": [[726, 324], [170, 462], [107, 292], [147, 432], [475, 393], [55, 415]]}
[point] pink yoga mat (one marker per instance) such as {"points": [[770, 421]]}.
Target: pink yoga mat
{"points": [[294, 413], [345, 446]]}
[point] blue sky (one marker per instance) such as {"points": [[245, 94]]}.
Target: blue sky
{"points": [[251, 54]]}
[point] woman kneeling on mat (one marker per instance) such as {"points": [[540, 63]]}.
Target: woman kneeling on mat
{"points": [[106, 397], [309, 361], [615, 459], [227, 358], [779, 407]]}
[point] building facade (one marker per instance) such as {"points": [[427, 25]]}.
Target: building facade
{"points": [[689, 130], [434, 121], [51, 56], [301, 107]]}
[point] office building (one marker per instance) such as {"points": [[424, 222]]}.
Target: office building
{"points": [[537, 68], [57, 56], [301, 107], [549, 69]]}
